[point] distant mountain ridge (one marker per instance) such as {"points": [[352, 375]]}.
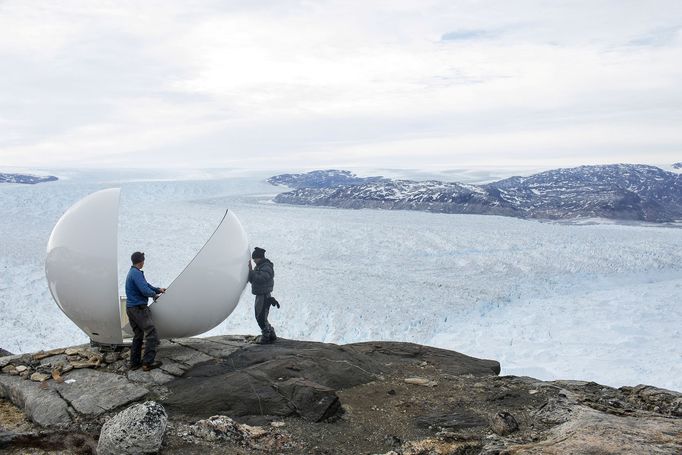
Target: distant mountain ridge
{"points": [[322, 179], [25, 178], [616, 191]]}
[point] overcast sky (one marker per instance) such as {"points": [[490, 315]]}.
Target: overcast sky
{"points": [[305, 84]]}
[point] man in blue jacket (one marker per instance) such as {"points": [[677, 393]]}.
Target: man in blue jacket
{"points": [[138, 292]]}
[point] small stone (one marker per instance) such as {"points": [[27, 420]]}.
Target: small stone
{"points": [[503, 423], [83, 364], [111, 357], [277, 424], [25, 374], [421, 381], [22, 368], [93, 356], [254, 432], [391, 392], [11, 370], [68, 367], [40, 355], [71, 351], [39, 377], [532, 391], [57, 376]]}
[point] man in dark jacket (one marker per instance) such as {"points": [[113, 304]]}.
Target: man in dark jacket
{"points": [[262, 279], [138, 292]]}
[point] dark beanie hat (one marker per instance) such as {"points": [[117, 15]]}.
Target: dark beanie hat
{"points": [[137, 257], [258, 253]]}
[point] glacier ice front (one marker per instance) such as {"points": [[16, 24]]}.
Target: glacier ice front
{"points": [[81, 270]]}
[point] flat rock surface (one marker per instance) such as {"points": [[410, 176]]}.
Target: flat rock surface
{"points": [[93, 393], [43, 406], [253, 379]]}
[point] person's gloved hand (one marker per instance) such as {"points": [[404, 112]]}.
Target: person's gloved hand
{"points": [[273, 301]]}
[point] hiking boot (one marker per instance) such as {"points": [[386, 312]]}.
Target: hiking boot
{"points": [[135, 366], [264, 340], [151, 366]]}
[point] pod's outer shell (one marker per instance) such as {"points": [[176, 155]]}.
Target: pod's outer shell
{"points": [[209, 288], [81, 265]]}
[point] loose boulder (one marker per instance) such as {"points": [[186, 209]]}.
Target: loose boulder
{"points": [[138, 429], [503, 423]]}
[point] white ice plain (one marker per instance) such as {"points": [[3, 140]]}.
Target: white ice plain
{"points": [[592, 302]]}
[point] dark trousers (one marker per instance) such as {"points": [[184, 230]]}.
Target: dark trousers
{"points": [[262, 311], [143, 327]]}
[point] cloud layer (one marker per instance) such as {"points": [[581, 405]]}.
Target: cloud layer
{"points": [[425, 84]]}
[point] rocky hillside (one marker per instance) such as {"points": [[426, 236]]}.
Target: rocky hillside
{"points": [[228, 395], [322, 179], [620, 191], [26, 179], [677, 166]]}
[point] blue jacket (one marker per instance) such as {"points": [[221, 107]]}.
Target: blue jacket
{"points": [[138, 290]]}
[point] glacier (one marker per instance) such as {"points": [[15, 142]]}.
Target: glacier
{"points": [[592, 301]]}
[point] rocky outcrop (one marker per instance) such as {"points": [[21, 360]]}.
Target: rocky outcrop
{"points": [[138, 429], [228, 394], [25, 178], [613, 429], [4, 353], [301, 378], [43, 406]]}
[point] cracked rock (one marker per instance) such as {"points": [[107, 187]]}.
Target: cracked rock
{"points": [[44, 407], [93, 393]]}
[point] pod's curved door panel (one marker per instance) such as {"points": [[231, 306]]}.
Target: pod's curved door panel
{"points": [[81, 265], [208, 290]]}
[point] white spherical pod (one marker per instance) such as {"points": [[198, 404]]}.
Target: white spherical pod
{"points": [[208, 290], [81, 265], [81, 270]]}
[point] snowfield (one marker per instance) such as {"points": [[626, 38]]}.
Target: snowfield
{"points": [[593, 302]]}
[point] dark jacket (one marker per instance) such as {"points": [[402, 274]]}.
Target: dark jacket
{"points": [[262, 278], [138, 290]]}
